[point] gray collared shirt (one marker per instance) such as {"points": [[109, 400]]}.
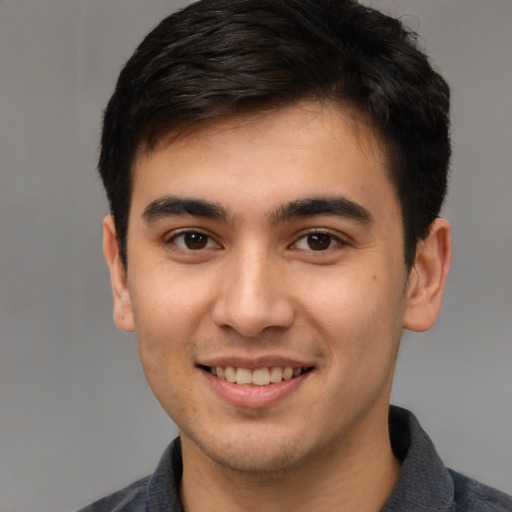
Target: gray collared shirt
{"points": [[424, 485]]}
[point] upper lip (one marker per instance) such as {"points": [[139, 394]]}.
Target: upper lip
{"points": [[256, 362]]}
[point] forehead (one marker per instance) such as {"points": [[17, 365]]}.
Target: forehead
{"points": [[307, 149]]}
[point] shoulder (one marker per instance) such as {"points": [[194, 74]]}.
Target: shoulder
{"points": [[473, 496], [130, 499]]}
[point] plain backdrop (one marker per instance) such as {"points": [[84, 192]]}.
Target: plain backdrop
{"points": [[77, 419]]}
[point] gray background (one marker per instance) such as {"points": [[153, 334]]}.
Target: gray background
{"points": [[77, 419]]}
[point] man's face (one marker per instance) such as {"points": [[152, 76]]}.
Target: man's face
{"points": [[255, 246]]}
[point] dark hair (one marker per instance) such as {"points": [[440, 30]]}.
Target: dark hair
{"points": [[219, 58]]}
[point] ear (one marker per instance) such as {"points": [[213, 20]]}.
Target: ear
{"points": [[123, 314], [427, 278]]}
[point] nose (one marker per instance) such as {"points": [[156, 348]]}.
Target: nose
{"points": [[253, 296]]}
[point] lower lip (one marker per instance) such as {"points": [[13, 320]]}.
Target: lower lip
{"points": [[254, 397]]}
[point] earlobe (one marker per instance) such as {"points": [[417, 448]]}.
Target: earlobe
{"points": [[123, 314], [428, 278]]}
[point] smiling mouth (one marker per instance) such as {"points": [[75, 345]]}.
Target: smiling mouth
{"points": [[259, 377]]}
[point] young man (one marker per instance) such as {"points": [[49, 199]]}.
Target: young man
{"points": [[275, 170]]}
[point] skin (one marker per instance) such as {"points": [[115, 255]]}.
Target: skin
{"points": [[254, 287]]}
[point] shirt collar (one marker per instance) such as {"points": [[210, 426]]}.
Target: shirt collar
{"points": [[424, 482], [163, 487]]}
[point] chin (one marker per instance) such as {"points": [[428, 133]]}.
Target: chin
{"points": [[253, 454], [259, 460]]}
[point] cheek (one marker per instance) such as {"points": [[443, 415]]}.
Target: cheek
{"points": [[170, 301], [162, 325], [359, 312], [165, 328]]}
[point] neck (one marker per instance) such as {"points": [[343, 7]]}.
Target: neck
{"points": [[358, 474]]}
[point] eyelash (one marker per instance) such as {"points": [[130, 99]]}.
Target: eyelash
{"points": [[173, 240], [330, 241]]}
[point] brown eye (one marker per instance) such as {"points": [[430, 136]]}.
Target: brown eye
{"points": [[193, 241], [319, 241]]}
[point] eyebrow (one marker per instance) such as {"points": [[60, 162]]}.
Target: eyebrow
{"points": [[309, 207], [170, 206]]}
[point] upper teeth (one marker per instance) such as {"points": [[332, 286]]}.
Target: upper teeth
{"points": [[258, 377]]}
